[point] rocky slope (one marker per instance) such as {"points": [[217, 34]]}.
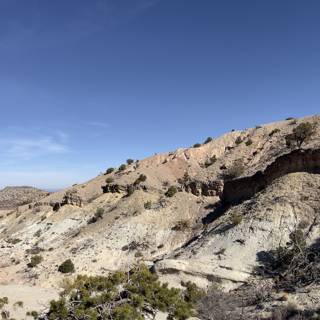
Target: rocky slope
{"points": [[12, 197], [238, 196]]}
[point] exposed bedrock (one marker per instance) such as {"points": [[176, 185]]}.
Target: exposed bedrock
{"points": [[241, 189], [208, 189]]}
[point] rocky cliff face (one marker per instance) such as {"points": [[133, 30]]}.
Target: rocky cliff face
{"points": [[301, 160], [208, 230]]}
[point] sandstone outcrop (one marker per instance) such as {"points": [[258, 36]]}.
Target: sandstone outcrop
{"points": [[301, 160]]}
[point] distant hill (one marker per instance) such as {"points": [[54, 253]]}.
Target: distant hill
{"points": [[12, 197]]}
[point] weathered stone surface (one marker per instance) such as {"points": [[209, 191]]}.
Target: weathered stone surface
{"points": [[237, 190], [200, 188]]}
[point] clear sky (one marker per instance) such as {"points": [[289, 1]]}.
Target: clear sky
{"points": [[86, 84]]}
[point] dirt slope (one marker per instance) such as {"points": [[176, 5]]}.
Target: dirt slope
{"points": [[189, 236], [12, 197]]}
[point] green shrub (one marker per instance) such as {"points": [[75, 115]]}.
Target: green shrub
{"points": [[209, 139], [3, 302], [37, 233], [122, 167], [248, 142], [142, 178], [273, 132], [109, 180], [182, 225], [171, 191], [210, 162], [130, 161], [13, 241], [33, 314], [236, 218], [19, 304], [238, 141], [236, 170], [148, 205], [302, 133], [66, 267], [35, 260], [130, 190], [197, 145], [99, 213], [184, 179], [123, 296], [109, 170]]}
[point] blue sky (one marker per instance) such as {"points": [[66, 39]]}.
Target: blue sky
{"points": [[84, 85]]}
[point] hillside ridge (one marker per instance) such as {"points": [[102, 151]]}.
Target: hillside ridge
{"points": [[203, 214]]}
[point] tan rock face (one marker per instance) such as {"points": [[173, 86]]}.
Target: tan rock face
{"points": [[189, 236], [300, 160]]}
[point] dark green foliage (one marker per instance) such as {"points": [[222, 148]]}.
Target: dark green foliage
{"points": [[37, 233], [18, 304], [127, 312], [3, 302], [111, 188], [109, 180], [182, 225], [34, 250], [56, 206], [35, 260], [130, 161], [197, 145], [33, 314], [122, 167], [238, 141], [234, 171], [109, 170], [302, 133], [294, 265], [123, 296], [58, 309], [66, 267], [130, 190], [148, 205], [184, 179], [210, 162], [236, 218], [142, 178], [13, 241], [171, 191], [209, 139], [248, 142], [99, 213], [193, 294], [273, 132]]}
